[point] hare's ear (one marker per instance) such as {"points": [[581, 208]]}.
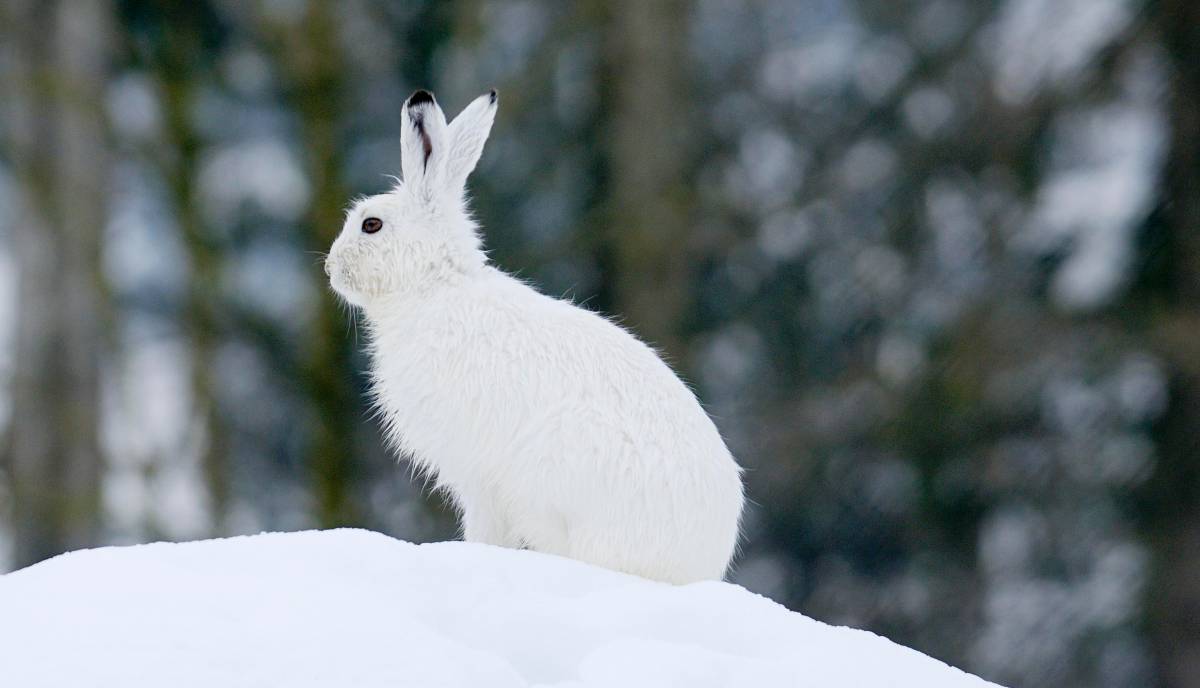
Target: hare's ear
{"points": [[422, 142], [466, 136]]}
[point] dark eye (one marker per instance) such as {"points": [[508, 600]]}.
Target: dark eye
{"points": [[372, 225]]}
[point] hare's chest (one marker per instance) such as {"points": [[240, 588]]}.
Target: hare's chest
{"points": [[419, 389], [439, 398]]}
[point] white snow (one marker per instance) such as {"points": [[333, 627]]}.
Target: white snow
{"points": [[355, 608], [1098, 195], [1040, 42], [265, 172]]}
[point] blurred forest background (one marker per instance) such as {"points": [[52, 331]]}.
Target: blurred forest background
{"points": [[934, 265]]}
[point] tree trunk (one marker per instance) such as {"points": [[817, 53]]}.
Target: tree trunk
{"points": [[311, 57], [58, 149], [1175, 508], [178, 64], [647, 221]]}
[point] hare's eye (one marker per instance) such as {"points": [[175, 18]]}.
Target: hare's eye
{"points": [[372, 225]]}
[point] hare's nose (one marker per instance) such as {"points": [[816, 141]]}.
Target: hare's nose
{"points": [[325, 262]]}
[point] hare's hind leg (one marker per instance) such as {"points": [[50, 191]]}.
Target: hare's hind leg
{"points": [[483, 521], [544, 531]]}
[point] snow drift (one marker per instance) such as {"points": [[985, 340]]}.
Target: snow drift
{"points": [[354, 608]]}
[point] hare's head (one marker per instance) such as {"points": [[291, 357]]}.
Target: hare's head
{"points": [[419, 232]]}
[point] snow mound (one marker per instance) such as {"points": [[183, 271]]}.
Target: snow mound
{"points": [[354, 608]]}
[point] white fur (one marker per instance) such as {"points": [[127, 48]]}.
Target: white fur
{"points": [[552, 427]]}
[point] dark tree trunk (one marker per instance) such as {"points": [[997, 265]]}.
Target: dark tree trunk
{"points": [[648, 140], [179, 65], [1175, 516], [58, 149], [311, 57]]}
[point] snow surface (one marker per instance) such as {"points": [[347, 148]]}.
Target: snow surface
{"points": [[355, 608]]}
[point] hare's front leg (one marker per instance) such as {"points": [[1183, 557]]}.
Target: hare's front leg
{"points": [[483, 522]]}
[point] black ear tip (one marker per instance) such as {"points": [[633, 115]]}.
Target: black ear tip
{"points": [[420, 97], [492, 95]]}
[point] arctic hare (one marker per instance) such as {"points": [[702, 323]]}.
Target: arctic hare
{"points": [[552, 428]]}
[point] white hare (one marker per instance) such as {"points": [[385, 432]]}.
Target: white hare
{"points": [[552, 427]]}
